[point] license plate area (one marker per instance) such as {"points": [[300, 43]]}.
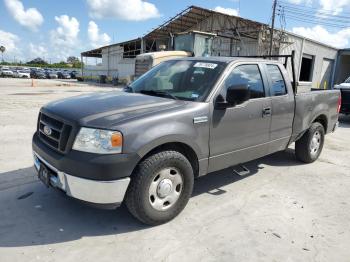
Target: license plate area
{"points": [[44, 175]]}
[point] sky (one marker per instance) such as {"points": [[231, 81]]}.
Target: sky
{"points": [[54, 30]]}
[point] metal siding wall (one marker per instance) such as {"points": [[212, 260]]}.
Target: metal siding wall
{"points": [[287, 49], [113, 64], [221, 47], [318, 51]]}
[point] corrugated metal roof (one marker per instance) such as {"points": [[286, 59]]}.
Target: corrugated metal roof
{"points": [[98, 51], [187, 19]]}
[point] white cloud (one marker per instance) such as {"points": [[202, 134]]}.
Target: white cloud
{"points": [[95, 37], [36, 50], [9, 41], [30, 18], [64, 38], [338, 39], [227, 11], [132, 10], [335, 6]]}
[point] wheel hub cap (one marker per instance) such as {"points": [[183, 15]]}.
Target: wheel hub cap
{"points": [[315, 143], [164, 187]]}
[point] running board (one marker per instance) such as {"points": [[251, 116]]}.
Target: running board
{"points": [[243, 172]]}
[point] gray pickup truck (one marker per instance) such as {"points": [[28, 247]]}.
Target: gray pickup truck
{"points": [[181, 120]]}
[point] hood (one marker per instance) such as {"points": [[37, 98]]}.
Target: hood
{"points": [[108, 108]]}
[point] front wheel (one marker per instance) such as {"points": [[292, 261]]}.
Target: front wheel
{"points": [[160, 187], [309, 147]]}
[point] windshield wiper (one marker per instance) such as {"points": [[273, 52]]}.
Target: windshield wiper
{"points": [[159, 92]]}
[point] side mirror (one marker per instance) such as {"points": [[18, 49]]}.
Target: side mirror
{"points": [[236, 95]]}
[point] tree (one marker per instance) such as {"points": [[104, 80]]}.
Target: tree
{"points": [[72, 60], [77, 64], [2, 50], [37, 61]]}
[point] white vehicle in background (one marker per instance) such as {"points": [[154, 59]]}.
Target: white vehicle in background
{"points": [[21, 74], [187, 44], [345, 96], [146, 61], [346, 84], [6, 72]]}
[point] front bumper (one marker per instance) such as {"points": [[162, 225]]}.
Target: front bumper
{"points": [[87, 165], [96, 192]]}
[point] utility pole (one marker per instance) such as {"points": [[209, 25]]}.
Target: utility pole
{"points": [[239, 7], [273, 25]]}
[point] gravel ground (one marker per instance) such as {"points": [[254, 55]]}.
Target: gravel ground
{"points": [[284, 211]]}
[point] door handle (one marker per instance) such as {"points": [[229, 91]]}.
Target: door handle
{"points": [[266, 112]]}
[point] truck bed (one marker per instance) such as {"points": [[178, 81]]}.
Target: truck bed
{"points": [[312, 105]]}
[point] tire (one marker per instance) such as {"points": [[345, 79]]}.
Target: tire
{"points": [[146, 197], [306, 149]]}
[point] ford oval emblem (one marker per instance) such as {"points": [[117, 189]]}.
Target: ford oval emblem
{"points": [[47, 130]]}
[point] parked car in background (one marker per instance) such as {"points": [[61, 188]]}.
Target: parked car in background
{"points": [[6, 72], [183, 119], [73, 74], [345, 96], [50, 74], [79, 76], [63, 75], [21, 74], [38, 73]]}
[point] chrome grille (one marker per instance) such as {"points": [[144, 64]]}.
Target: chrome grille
{"points": [[59, 133]]}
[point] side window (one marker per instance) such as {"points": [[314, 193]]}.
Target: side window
{"points": [[247, 75], [278, 84]]}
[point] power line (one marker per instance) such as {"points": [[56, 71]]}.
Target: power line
{"points": [[319, 13], [318, 17], [311, 15], [331, 12], [299, 19]]}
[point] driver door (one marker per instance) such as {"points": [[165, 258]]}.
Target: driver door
{"points": [[241, 133]]}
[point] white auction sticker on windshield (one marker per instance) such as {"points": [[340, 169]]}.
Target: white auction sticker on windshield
{"points": [[205, 65]]}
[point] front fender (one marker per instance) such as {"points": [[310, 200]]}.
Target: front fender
{"points": [[169, 139], [145, 134]]}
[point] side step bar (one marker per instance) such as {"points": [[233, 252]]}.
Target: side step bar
{"points": [[244, 171]]}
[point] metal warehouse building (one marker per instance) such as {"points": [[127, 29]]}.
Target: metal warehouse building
{"points": [[317, 65]]}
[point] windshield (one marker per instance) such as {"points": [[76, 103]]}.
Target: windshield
{"points": [[347, 80], [179, 79]]}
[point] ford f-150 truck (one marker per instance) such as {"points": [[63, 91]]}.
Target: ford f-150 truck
{"points": [[181, 120]]}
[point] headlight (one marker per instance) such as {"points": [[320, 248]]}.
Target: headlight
{"points": [[98, 141]]}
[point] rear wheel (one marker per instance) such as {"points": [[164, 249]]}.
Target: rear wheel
{"points": [[309, 147], [160, 187]]}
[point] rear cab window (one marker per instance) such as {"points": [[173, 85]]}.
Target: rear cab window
{"points": [[278, 85]]}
